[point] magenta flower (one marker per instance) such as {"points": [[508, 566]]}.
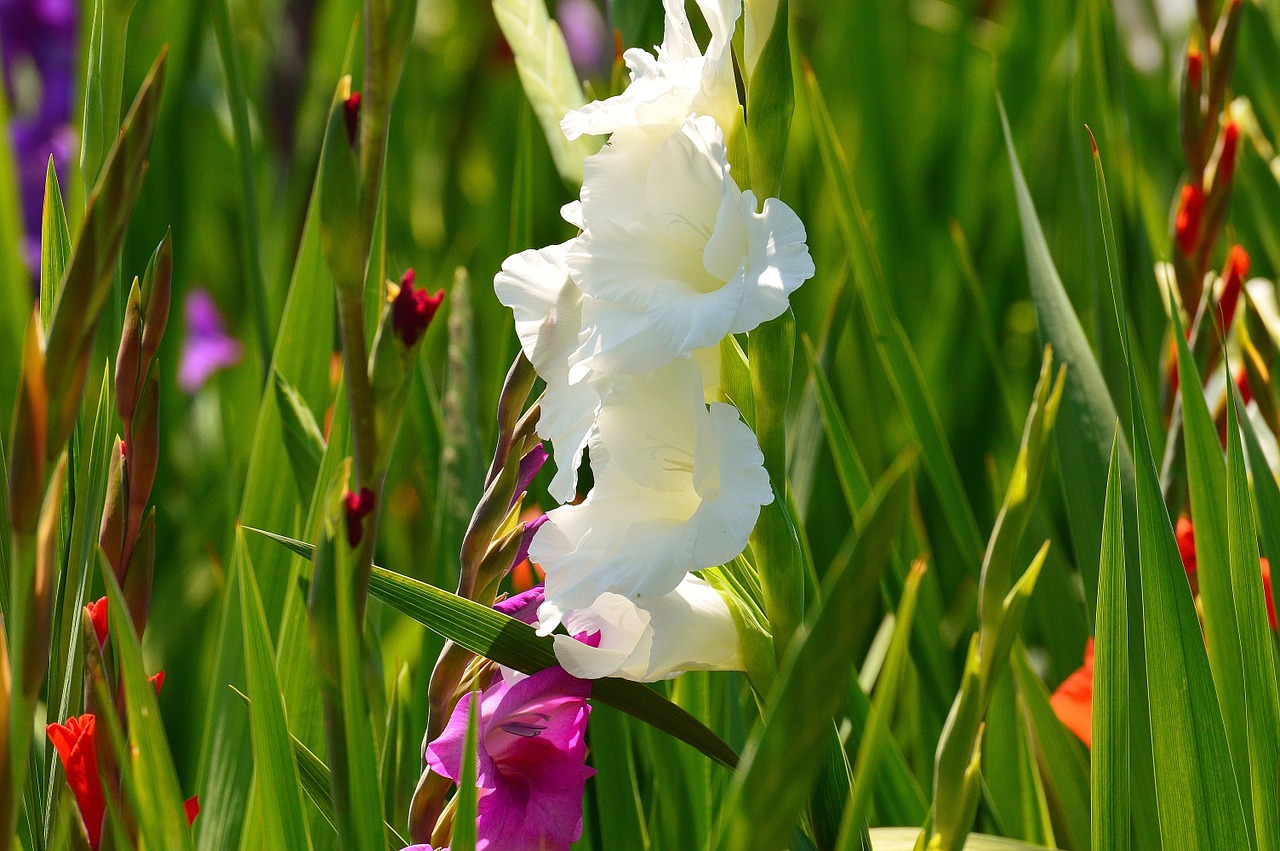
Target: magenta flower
{"points": [[206, 347], [531, 751]]}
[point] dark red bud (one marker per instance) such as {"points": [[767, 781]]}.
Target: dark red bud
{"points": [[1227, 161], [1190, 213], [413, 309], [351, 115], [358, 506], [1195, 67]]}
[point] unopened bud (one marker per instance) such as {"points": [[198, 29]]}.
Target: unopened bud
{"points": [[114, 515], [129, 358], [1227, 155], [1186, 225], [357, 506], [351, 116], [157, 680], [97, 613], [27, 444], [1232, 279], [157, 292], [1191, 124], [413, 309]]}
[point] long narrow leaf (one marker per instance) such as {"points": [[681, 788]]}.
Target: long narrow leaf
{"points": [[516, 645], [1109, 767], [279, 790]]}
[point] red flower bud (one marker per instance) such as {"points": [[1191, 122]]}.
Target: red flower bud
{"points": [[1195, 66], [76, 744], [1227, 159], [98, 615], [357, 506], [1186, 225], [1232, 278], [351, 115], [413, 309], [157, 680]]}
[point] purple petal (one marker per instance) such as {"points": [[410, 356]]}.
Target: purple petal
{"points": [[526, 540], [530, 464], [523, 606], [531, 754], [206, 347], [586, 36]]}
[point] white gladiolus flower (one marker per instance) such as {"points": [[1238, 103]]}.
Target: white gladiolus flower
{"points": [[547, 305], [678, 487], [688, 629], [680, 80], [673, 255]]}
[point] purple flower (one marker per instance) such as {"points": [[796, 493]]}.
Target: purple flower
{"points": [[586, 36], [206, 347], [530, 464], [38, 40], [523, 606], [531, 751]]}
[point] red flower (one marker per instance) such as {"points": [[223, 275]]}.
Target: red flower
{"points": [[413, 309], [1073, 701], [98, 614], [76, 743]]}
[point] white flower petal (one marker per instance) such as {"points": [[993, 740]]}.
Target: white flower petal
{"points": [[688, 264], [681, 79], [548, 314], [677, 488], [689, 629]]}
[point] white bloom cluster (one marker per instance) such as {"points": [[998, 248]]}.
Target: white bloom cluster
{"points": [[623, 322]]}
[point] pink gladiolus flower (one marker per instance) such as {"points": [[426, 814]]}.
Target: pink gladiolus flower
{"points": [[531, 751]]}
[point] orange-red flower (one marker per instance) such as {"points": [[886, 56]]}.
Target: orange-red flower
{"points": [[76, 743], [1073, 701]]}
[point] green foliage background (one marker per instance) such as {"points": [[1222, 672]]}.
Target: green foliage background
{"points": [[925, 229]]}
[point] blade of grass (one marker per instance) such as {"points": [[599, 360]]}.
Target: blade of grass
{"points": [[277, 785], [255, 285], [1261, 700], [894, 347], [783, 753], [1207, 480], [875, 737], [160, 814], [1199, 803], [1109, 765], [1063, 766], [464, 823]]}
